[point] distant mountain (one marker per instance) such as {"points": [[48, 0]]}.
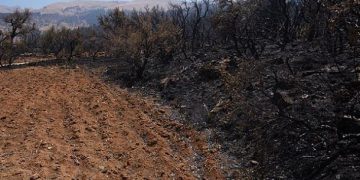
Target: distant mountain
{"points": [[6, 9], [78, 7], [81, 13]]}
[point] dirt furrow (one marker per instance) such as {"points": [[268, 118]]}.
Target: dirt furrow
{"points": [[66, 124]]}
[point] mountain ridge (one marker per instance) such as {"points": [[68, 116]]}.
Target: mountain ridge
{"points": [[6, 9], [80, 13]]}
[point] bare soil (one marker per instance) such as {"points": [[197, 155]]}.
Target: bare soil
{"points": [[58, 123]]}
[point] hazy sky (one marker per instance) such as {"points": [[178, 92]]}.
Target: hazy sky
{"points": [[31, 3]]}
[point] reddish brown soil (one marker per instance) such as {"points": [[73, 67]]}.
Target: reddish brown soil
{"points": [[67, 124]]}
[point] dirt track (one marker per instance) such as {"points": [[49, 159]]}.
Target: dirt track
{"points": [[67, 124]]}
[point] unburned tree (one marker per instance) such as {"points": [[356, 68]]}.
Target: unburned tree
{"points": [[140, 37], [18, 25]]}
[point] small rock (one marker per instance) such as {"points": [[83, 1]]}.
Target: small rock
{"points": [[35, 177], [209, 73], [305, 96], [103, 169], [152, 143], [89, 129], [254, 162]]}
